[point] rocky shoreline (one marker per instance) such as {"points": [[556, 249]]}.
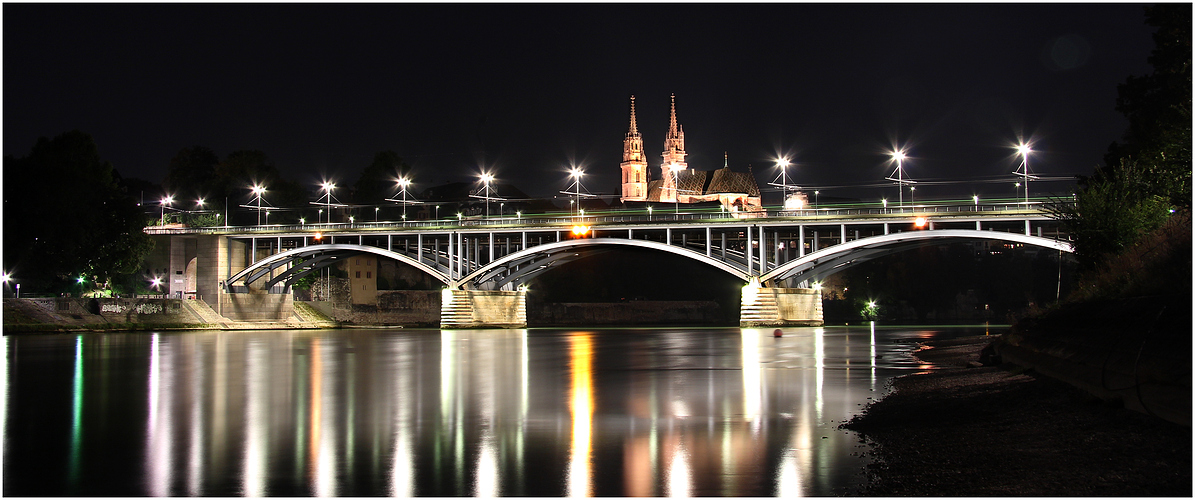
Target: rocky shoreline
{"points": [[964, 429]]}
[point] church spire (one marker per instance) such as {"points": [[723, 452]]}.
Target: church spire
{"points": [[634, 130], [673, 128]]}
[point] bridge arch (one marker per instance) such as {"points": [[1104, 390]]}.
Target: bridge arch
{"points": [[833, 259], [264, 266], [536, 259]]}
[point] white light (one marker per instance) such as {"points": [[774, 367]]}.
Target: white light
{"points": [[327, 186], [576, 172], [258, 189], [783, 162], [898, 155]]}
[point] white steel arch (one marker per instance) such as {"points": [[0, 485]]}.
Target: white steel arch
{"points": [[314, 249], [548, 248], [897, 240]]}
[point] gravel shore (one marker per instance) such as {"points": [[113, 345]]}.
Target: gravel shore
{"points": [[991, 431]]}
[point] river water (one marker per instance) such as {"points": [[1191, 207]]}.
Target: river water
{"points": [[537, 412]]}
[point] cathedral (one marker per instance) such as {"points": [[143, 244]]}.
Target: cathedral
{"points": [[734, 191]]}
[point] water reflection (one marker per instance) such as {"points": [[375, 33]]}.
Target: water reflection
{"points": [[633, 412]]}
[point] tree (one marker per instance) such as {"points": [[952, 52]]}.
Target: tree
{"points": [[66, 217], [1158, 107], [192, 174], [241, 170], [1110, 213], [378, 181]]}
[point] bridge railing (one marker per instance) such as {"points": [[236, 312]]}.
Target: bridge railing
{"points": [[658, 216]]}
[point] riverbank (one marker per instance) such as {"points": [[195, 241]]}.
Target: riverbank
{"points": [[961, 430]]}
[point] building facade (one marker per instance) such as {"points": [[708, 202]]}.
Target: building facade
{"points": [[734, 191]]}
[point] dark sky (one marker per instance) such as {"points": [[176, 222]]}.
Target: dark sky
{"points": [[525, 90]]}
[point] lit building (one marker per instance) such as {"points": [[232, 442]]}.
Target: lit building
{"points": [[734, 191]]}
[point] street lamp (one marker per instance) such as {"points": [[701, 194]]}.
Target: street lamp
{"points": [[783, 163], [328, 187], [911, 201], [166, 200], [375, 213], [576, 174], [675, 185], [257, 191], [403, 182], [885, 202], [486, 178], [815, 193], [1023, 170], [899, 156]]}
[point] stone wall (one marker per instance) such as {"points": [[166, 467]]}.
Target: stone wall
{"points": [[639, 312], [394, 307], [81, 311], [257, 306]]}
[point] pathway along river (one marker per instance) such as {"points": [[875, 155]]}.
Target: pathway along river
{"points": [[539, 412]]}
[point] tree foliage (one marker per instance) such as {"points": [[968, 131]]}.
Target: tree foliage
{"points": [[1115, 209], [65, 216], [1158, 107], [378, 181]]}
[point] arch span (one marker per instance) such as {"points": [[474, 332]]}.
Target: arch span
{"points": [[263, 267], [836, 258], [522, 265]]}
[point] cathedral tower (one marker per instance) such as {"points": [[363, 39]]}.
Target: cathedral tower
{"points": [[634, 164], [673, 156]]}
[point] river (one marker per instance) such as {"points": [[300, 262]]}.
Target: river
{"points": [[403, 412]]}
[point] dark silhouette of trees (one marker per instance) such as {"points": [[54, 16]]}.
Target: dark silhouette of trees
{"points": [[1158, 107], [65, 217], [1149, 173]]}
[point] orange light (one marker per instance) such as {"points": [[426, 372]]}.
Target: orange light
{"points": [[919, 222], [318, 236], [580, 231]]}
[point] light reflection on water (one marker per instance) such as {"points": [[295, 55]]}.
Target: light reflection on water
{"points": [[541, 412]]}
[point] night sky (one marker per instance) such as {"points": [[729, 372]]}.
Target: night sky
{"points": [[527, 90]]}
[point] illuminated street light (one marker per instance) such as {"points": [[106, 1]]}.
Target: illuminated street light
{"points": [[649, 212], [166, 200], [328, 187], [1023, 170], [899, 156], [257, 191], [975, 198], [911, 201], [403, 184], [375, 214], [487, 178]]}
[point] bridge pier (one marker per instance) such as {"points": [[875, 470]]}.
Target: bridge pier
{"points": [[774, 306], [483, 309]]}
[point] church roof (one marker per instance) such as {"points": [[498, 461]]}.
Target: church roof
{"points": [[702, 182], [725, 181]]}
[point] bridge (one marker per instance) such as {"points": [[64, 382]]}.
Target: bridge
{"points": [[486, 263]]}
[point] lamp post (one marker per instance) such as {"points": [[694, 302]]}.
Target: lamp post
{"points": [[257, 191], [899, 156], [403, 182], [377, 209], [911, 200], [815, 193], [328, 187], [975, 198], [1023, 170], [649, 212], [783, 163], [166, 200], [486, 178], [576, 174]]}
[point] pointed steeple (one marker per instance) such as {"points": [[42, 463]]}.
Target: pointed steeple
{"points": [[672, 127], [634, 130], [674, 143], [725, 159]]}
